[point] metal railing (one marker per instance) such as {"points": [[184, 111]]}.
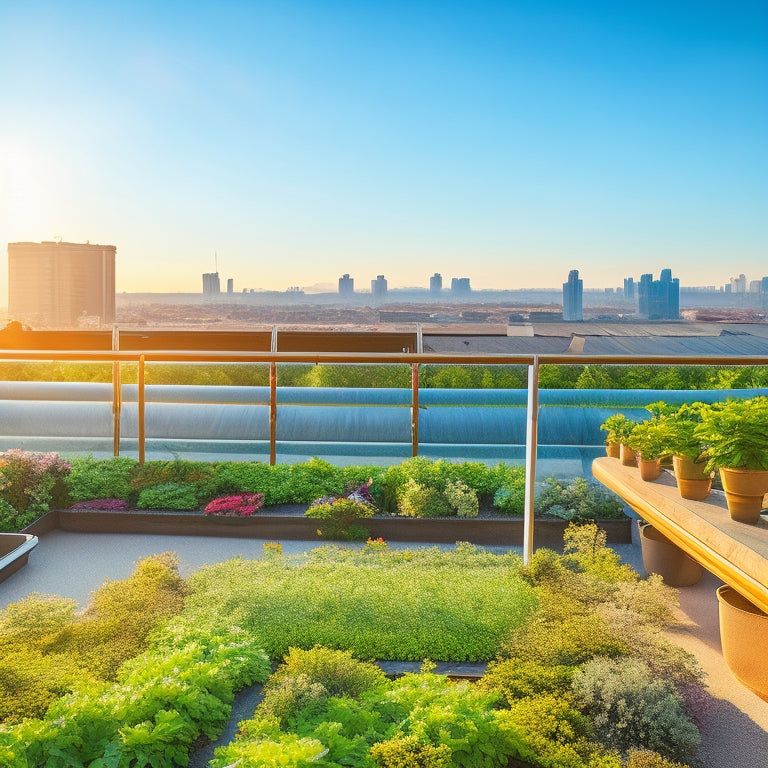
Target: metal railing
{"points": [[414, 360]]}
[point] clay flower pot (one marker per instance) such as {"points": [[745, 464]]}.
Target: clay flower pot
{"points": [[661, 556], [743, 629], [744, 492], [693, 482], [627, 456], [613, 450], [650, 469]]}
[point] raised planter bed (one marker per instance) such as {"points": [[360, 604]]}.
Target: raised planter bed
{"points": [[279, 524], [14, 552]]}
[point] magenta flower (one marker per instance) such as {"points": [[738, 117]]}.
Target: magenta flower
{"points": [[241, 505]]}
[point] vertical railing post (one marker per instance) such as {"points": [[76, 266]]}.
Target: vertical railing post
{"points": [[531, 445], [117, 403], [140, 407], [273, 413], [414, 409]]}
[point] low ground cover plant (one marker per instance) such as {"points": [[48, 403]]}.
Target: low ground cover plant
{"points": [[581, 674], [395, 604], [46, 646]]}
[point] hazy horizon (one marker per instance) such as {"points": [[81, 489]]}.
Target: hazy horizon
{"points": [[294, 142]]}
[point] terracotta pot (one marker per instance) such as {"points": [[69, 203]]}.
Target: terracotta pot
{"points": [[650, 469], [613, 450], [744, 492], [743, 629], [692, 481], [660, 555], [627, 456]]}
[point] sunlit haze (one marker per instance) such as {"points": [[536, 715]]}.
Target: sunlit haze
{"points": [[506, 142]]}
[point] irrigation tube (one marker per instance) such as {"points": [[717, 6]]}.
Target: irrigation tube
{"points": [[531, 444]]}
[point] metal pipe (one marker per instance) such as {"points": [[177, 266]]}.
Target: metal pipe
{"points": [[531, 445]]}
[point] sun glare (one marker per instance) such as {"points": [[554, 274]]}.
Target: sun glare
{"points": [[26, 197]]}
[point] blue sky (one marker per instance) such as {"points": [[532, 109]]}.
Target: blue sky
{"points": [[507, 142]]}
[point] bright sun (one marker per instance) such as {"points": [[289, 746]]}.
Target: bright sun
{"points": [[27, 200]]}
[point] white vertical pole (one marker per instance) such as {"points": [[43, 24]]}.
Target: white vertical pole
{"points": [[531, 445]]}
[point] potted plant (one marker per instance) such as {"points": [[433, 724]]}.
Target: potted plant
{"points": [[736, 435], [689, 456], [618, 427], [649, 442]]}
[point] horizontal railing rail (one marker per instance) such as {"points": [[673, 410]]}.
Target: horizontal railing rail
{"points": [[414, 360]]}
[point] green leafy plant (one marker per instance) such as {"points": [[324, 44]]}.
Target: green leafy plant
{"points": [[339, 517], [735, 433], [649, 438], [180, 496], [462, 499], [619, 427], [578, 500], [417, 500], [92, 478]]}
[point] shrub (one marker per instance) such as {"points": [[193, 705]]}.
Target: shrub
{"points": [[578, 500], [462, 498], [416, 500], [32, 482], [313, 479], [195, 474], [510, 499], [339, 516], [242, 505], [631, 708], [646, 758], [394, 483], [168, 496], [339, 672], [92, 478], [408, 752]]}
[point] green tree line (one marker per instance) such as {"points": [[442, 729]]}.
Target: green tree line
{"points": [[430, 376]]}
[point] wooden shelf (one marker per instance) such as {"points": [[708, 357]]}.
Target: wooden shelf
{"points": [[735, 552]]}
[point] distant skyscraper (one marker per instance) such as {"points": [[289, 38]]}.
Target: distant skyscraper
{"points": [[460, 286], [436, 283], [379, 287], [211, 284], [739, 284], [659, 299], [573, 292], [55, 283], [764, 285], [629, 288], [346, 285], [230, 285]]}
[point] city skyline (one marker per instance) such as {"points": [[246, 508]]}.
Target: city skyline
{"points": [[506, 142]]}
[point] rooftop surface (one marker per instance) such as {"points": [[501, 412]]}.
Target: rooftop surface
{"points": [[734, 726]]}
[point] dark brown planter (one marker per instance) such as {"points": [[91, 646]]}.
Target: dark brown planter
{"points": [[661, 556], [744, 492], [743, 629], [502, 532], [693, 482]]}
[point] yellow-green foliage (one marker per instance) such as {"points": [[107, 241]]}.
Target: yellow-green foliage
{"points": [[407, 752], [46, 648], [121, 614]]}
